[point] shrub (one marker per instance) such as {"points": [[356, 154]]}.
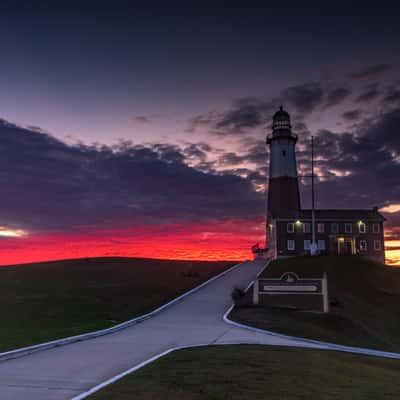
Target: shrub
{"points": [[238, 295]]}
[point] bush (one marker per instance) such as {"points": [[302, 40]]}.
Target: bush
{"points": [[238, 296]]}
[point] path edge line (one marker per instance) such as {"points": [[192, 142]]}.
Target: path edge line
{"points": [[313, 342], [121, 375]]}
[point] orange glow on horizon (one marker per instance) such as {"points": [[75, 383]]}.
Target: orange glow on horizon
{"points": [[222, 240], [218, 240]]}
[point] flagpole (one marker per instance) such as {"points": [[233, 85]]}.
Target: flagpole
{"points": [[314, 248]]}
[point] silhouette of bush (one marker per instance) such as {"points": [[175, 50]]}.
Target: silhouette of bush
{"points": [[238, 296]]}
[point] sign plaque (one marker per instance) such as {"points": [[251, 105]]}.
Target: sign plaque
{"points": [[290, 283]]}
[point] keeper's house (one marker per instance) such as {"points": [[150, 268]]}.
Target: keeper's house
{"points": [[342, 231]]}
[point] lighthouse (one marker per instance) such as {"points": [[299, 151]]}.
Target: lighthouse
{"points": [[283, 187], [293, 231]]}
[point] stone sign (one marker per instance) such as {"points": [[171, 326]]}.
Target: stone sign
{"points": [[290, 284]]}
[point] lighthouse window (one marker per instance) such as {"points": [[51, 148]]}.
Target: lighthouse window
{"points": [[284, 153]]}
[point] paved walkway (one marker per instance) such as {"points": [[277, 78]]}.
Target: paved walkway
{"points": [[64, 372]]}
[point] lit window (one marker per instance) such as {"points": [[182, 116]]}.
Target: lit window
{"points": [[334, 228], [307, 244], [363, 245], [321, 228], [362, 227], [321, 245], [290, 245], [376, 228], [306, 227], [290, 227], [348, 228], [377, 245]]}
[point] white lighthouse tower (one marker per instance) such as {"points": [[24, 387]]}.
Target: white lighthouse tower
{"points": [[283, 188], [283, 185]]}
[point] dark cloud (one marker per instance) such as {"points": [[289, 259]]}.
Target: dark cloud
{"points": [[142, 119], [392, 96], [372, 71], [304, 98], [246, 113], [230, 159], [168, 153], [201, 120], [336, 96], [352, 115], [49, 185], [371, 93], [365, 164], [197, 151]]}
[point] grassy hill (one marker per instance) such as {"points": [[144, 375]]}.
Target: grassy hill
{"points": [[259, 373], [365, 303], [45, 301]]}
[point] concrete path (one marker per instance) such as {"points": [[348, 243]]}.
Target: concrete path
{"points": [[64, 372]]}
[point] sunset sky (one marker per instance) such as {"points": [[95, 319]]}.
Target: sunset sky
{"points": [[141, 132]]}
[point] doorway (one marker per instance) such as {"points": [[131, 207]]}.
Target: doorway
{"points": [[346, 246]]}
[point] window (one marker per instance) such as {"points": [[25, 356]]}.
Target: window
{"points": [[361, 227], [363, 245], [334, 228], [348, 228], [284, 153], [290, 245], [377, 245], [290, 227], [307, 244], [306, 227], [321, 228], [321, 245], [376, 228]]}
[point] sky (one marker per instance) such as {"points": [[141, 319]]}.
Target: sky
{"points": [[141, 131]]}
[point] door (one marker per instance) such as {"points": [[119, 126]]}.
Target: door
{"points": [[347, 247]]}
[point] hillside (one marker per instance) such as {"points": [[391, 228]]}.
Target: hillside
{"points": [[45, 301], [365, 303]]}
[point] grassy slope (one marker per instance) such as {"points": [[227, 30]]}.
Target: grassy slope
{"points": [[259, 372], [369, 303], [45, 301]]}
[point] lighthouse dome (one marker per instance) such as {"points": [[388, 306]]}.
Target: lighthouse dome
{"points": [[281, 120]]}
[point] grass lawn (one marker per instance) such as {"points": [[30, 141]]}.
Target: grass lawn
{"points": [[259, 372], [46, 301], [365, 310]]}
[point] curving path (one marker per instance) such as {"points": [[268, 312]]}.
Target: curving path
{"points": [[65, 372]]}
